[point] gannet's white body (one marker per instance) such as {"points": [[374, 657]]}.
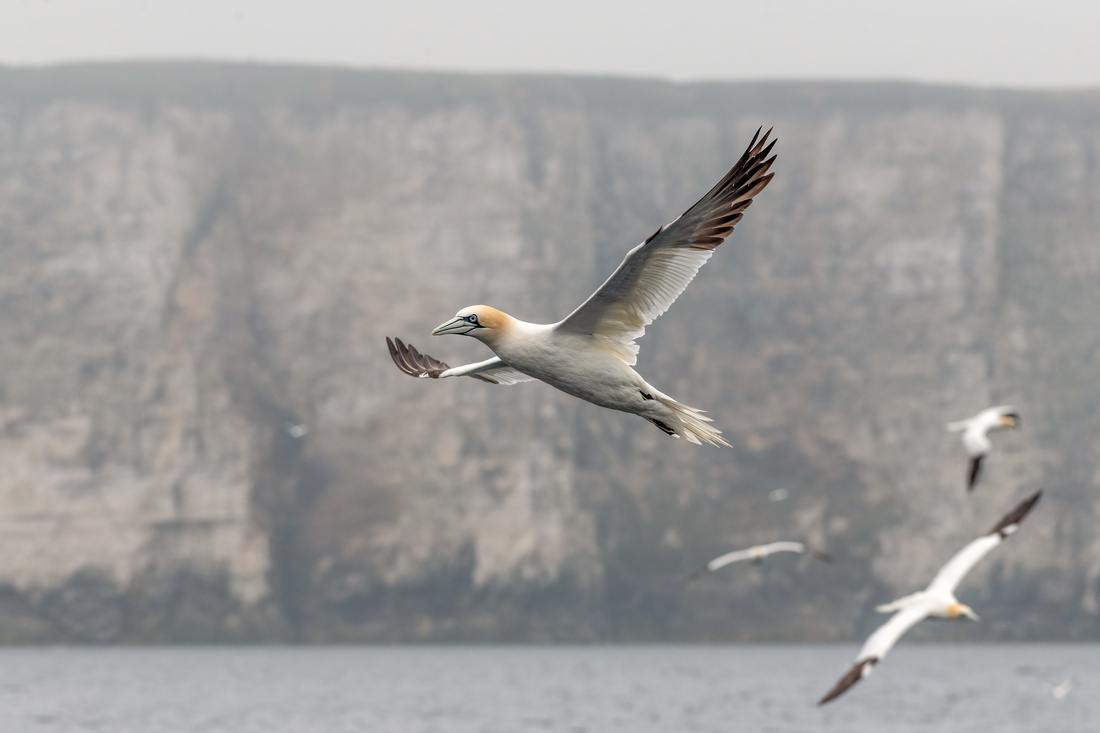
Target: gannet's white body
{"points": [[975, 435], [937, 600], [590, 353], [755, 554]]}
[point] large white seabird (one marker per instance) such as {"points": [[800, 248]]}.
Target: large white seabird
{"points": [[590, 353], [937, 600], [975, 435]]}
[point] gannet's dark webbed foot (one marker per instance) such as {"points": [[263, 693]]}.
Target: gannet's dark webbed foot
{"points": [[667, 430]]}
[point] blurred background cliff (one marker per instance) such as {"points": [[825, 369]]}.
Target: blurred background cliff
{"points": [[202, 436]]}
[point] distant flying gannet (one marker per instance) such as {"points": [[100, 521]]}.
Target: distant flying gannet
{"points": [[1062, 689], [938, 599], [975, 435], [755, 555], [589, 354]]}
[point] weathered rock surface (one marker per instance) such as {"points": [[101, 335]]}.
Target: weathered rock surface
{"points": [[201, 435]]}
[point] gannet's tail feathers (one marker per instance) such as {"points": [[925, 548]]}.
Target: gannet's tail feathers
{"points": [[689, 423], [958, 425]]}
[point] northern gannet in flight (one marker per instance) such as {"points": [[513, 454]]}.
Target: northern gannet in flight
{"points": [[589, 354], [937, 600], [755, 555], [975, 435]]}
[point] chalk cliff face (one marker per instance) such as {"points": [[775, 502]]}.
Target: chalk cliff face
{"points": [[201, 435]]}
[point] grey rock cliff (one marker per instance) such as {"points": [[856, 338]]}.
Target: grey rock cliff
{"points": [[201, 435]]}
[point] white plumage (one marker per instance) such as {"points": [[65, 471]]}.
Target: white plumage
{"points": [[975, 435], [589, 354], [755, 554], [937, 600]]}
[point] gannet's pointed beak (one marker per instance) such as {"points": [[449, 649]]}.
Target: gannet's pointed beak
{"points": [[455, 325], [969, 613]]}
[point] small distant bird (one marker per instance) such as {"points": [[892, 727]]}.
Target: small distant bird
{"points": [[937, 600], [755, 555], [589, 354], [296, 430], [975, 435], [1060, 690]]}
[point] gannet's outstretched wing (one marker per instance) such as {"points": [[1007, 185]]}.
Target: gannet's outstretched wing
{"points": [[782, 546], [415, 364], [656, 271], [876, 647], [719, 562], [955, 570], [757, 552], [788, 546]]}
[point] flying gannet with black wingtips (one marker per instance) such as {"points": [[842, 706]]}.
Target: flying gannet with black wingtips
{"points": [[590, 353], [975, 435], [937, 600], [755, 555]]}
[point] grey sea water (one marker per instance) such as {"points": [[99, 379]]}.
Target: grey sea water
{"points": [[573, 689]]}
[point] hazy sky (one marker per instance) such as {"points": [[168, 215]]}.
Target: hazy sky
{"points": [[984, 42]]}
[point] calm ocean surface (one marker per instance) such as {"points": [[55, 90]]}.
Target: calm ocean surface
{"points": [[513, 689]]}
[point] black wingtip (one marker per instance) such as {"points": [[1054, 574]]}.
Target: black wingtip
{"points": [[972, 475], [765, 138], [1010, 521], [754, 148], [694, 575], [859, 670], [412, 362]]}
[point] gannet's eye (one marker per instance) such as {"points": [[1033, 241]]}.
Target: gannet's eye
{"points": [[472, 318]]}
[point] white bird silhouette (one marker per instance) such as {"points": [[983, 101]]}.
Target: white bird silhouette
{"points": [[1060, 690], [975, 435], [937, 600], [755, 555], [296, 430], [590, 353]]}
